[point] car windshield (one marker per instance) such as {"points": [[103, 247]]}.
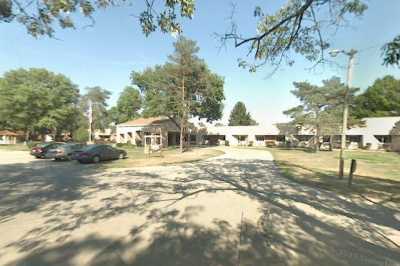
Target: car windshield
{"points": [[90, 147], [43, 145]]}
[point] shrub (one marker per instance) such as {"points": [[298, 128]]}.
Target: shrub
{"points": [[80, 135]]}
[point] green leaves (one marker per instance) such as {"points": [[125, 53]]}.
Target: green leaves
{"points": [[162, 86], [240, 117], [380, 99], [40, 17], [128, 105], [391, 52], [298, 27], [321, 106], [37, 100]]}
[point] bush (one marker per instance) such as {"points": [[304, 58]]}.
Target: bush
{"points": [[126, 145], [32, 144], [80, 135]]}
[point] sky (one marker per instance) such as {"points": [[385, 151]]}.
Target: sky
{"points": [[105, 54]]}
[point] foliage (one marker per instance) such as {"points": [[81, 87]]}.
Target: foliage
{"points": [[396, 129], [380, 99], [98, 96], [42, 16], [81, 134], [162, 86], [128, 106], [38, 100], [391, 52], [297, 27], [240, 117], [321, 107]]}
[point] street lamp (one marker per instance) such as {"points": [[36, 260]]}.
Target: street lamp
{"points": [[351, 54]]}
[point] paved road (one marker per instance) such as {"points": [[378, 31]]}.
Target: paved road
{"points": [[235, 209]]}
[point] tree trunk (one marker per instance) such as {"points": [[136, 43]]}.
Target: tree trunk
{"points": [[27, 133], [183, 116], [317, 137]]}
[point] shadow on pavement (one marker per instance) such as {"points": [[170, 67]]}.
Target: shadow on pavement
{"points": [[299, 225]]}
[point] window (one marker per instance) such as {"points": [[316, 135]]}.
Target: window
{"points": [[260, 138], [384, 138]]}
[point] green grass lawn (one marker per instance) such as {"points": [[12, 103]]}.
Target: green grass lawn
{"points": [[14, 147], [377, 175]]}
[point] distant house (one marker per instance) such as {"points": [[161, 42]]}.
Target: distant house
{"points": [[134, 131], [8, 137]]}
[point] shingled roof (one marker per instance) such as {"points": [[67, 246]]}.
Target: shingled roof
{"points": [[7, 133], [145, 121]]}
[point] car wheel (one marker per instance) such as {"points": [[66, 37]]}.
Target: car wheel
{"points": [[121, 156], [96, 159]]}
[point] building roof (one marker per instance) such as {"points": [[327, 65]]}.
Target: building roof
{"points": [[7, 133], [141, 122], [375, 126], [243, 130]]}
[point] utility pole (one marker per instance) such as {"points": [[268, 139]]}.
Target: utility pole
{"points": [[351, 54], [90, 118]]}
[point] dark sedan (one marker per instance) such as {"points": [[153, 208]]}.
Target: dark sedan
{"points": [[40, 150], [96, 153], [64, 152]]}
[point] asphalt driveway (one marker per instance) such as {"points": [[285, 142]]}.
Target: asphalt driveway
{"points": [[235, 209]]}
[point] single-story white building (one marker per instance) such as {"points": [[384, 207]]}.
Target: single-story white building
{"points": [[243, 135], [133, 131], [375, 134]]}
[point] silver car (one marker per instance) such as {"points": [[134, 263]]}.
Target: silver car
{"points": [[64, 152]]}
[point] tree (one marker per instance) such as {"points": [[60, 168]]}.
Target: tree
{"points": [[37, 100], [299, 27], [240, 117], [41, 17], [96, 97], [183, 87], [396, 129], [380, 99], [128, 106], [391, 52], [320, 108]]}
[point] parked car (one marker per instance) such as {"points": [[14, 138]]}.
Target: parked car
{"points": [[64, 152], [99, 152], [40, 150], [325, 146]]}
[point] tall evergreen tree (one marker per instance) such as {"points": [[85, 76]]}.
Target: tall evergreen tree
{"points": [[240, 117], [321, 107], [183, 87]]}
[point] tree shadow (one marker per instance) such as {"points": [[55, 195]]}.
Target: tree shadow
{"points": [[385, 190], [299, 224]]}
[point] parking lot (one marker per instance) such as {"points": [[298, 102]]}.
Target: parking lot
{"points": [[234, 209]]}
